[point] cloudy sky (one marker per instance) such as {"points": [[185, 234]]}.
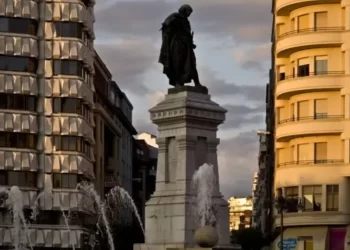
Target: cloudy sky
{"points": [[233, 44]]}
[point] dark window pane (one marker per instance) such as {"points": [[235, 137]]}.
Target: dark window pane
{"points": [[18, 25], [17, 101], [65, 181], [69, 105], [69, 29], [57, 181], [3, 179], [18, 64], [68, 67], [17, 140]]}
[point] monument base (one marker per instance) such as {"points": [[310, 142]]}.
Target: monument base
{"points": [[187, 123]]}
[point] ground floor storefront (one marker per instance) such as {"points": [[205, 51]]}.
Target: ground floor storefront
{"points": [[314, 238]]}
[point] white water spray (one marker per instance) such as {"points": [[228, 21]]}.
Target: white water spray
{"points": [[119, 195], [203, 182], [47, 193], [89, 189], [15, 199]]}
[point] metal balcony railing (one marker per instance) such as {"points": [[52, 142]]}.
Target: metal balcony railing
{"points": [[283, 77], [311, 162], [321, 116], [310, 30]]}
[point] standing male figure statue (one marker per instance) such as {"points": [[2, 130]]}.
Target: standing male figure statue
{"points": [[177, 51]]}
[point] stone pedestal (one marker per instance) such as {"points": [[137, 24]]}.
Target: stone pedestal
{"points": [[187, 123]]}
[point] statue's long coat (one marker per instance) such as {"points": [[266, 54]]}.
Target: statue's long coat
{"points": [[176, 54]]}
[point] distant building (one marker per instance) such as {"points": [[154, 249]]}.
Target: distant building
{"points": [[144, 172], [148, 138], [260, 208], [113, 132], [240, 212], [255, 195]]}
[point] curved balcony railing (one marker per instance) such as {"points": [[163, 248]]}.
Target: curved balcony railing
{"points": [[319, 73], [311, 162], [314, 117], [310, 30]]}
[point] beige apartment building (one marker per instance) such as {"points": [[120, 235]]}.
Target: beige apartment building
{"points": [[312, 115], [46, 113], [240, 210]]}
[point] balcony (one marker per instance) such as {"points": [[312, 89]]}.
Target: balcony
{"points": [[303, 39], [311, 162], [311, 172], [287, 129], [284, 7], [312, 218], [325, 81]]}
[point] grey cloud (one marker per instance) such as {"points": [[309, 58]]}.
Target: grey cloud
{"points": [[255, 57], [240, 115], [128, 61], [144, 125], [221, 88], [247, 20], [237, 163]]}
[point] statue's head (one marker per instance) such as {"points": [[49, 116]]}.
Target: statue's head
{"points": [[185, 10]]}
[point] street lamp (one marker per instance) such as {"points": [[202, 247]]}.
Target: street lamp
{"points": [[282, 204]]}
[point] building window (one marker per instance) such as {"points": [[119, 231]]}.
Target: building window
{"points": [[320, 152], [18, 64], [312, 198], [291, 192], [303, 70], [68, 67], [321, 65], [72, 143], [303, 153], [303, 23], [69, 29], [17, 140], [71, 106], [282, 73], [332, 198], [66, 180], [303, 110], [17, 178], [321, 109], [18, 102], [320, 21], [18, 25], [292, 196]]}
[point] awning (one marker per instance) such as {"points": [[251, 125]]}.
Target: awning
{"points": [[295, 237]]}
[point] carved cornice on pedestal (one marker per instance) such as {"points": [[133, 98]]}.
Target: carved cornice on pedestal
{"points": [[186, 142], [212, 145]]}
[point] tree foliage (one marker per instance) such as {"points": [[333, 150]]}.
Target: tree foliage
{"points": [[248, 238]]}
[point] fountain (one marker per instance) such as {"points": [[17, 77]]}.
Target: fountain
{"points": [[90, 190], [116, 197], [47, 192], [204, 185], [15, 200]]}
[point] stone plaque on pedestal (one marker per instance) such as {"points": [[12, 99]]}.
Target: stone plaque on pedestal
{"points": [[187, 122]]}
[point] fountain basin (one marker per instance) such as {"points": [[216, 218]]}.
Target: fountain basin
{"points": [[206, 237]]}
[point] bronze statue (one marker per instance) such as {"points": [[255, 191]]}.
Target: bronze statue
{"points": [[177, 51]]}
